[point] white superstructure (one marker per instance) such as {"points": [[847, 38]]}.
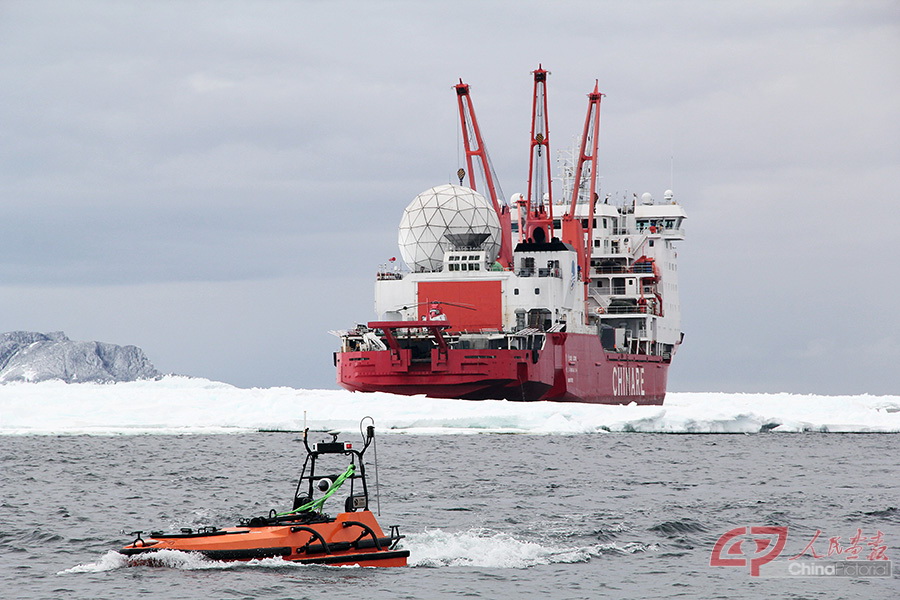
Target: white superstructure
{"points": [[632, 296]]}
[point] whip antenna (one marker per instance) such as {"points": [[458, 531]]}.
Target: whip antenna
{"points": [[371, 434]]}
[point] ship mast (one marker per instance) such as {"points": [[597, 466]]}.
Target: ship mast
{"points": [[475, 148], [539, 215], [582, 238]]}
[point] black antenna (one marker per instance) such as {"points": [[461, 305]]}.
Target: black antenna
{"points": [[369, 436]]}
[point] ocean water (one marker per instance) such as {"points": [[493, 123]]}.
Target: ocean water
{"points": [[486, 516], [497, 500]]}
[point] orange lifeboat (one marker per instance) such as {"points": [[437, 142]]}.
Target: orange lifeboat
{"points": [[304, 534]]}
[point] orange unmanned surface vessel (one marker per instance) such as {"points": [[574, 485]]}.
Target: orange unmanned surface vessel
{"points": [[304, 534]]}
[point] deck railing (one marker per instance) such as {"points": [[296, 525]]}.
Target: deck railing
{"points": [[619, 309], [641, 267], [536, 272]]}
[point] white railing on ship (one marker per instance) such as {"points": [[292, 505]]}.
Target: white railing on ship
{"points": [[625, 310], [388, 275], [540, 272], [639, 268]]}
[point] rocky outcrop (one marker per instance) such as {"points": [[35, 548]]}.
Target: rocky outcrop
{"points": [[29, 356]]}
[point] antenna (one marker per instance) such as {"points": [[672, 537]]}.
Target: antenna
{"points": [[369, 434], [672, 171]]}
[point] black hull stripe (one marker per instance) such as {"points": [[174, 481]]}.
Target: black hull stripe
{"points": [[241, 554], [251, 553], [352, 558]]}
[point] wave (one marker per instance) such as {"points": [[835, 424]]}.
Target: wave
{"points": [[491, 549], [432, 548], [175, 559], [176, 405], [484, 548]]}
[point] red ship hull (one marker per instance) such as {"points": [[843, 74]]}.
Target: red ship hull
{"points": [[570, 368]]}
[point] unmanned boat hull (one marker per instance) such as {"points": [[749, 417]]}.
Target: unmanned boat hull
{"points": [[353, 538]]}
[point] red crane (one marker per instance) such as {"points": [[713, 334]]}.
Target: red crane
{"points": [[538, 224], [475, 148], [574, 233]]}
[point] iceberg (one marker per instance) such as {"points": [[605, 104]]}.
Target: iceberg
{"points": [[33, 357]]}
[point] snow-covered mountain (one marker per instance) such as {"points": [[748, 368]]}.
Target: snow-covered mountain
{"points": [[30, 356]]}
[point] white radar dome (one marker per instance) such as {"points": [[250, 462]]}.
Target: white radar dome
{"points": [[443, 218]]}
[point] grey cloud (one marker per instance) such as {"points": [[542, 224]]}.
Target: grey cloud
{"points": [[155, 154]]}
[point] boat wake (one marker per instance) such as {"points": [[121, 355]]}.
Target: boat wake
{"points": [[175, 559], [432, 548], [492, 549]]}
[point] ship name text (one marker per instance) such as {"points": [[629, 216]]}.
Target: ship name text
{"points": [[628, 381]]}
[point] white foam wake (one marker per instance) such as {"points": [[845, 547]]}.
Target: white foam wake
{"points": [[174, 559], [432, 548], [484, 548], [492, 549], [187, 405]]}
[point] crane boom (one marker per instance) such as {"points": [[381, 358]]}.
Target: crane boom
{"points": [[475, 148], [582, 236], [539, 215]]}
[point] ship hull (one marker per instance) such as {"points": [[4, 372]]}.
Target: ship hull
{"points": [[570, 368]]}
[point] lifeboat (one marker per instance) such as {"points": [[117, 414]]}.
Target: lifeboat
{"points": [[304, 534]]}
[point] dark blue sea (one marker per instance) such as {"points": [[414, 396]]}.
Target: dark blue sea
{"points": [[486, 515]]}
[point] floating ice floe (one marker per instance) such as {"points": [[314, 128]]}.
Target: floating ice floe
{"points": [[189, 405]]}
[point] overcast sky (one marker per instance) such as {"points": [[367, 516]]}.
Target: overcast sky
{"points": [[217, 182]]}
